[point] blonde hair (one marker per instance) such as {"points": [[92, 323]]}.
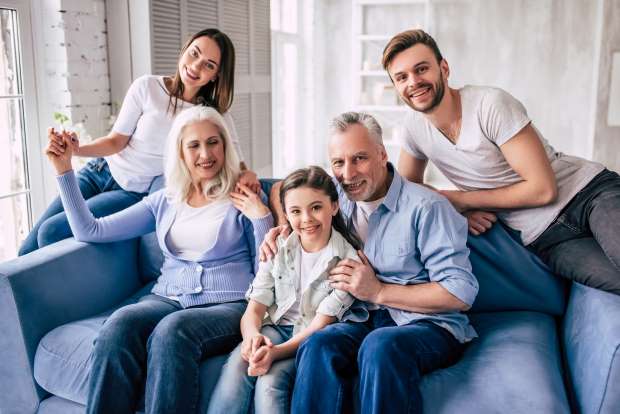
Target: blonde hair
{"points": [[178, 178]]}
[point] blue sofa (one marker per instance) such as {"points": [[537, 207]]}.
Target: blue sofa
{"points": [[544, 347]]}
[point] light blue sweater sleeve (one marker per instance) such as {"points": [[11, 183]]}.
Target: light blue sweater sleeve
{"points": [[132, 222]]}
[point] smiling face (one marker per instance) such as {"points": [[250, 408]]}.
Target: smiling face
{"points": [[199, 64], [202, 150], [359, 164], [310, 214], [419, 79]]}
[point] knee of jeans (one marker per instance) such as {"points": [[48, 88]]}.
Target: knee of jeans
{"points": [[115, 334], [53, 230], [378, 347], [273, 387], [168, 334]]}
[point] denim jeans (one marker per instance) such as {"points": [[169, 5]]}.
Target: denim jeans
{"points": [[272, 392], [158, 340], [583, 243], [104, 197], [390, 362]]}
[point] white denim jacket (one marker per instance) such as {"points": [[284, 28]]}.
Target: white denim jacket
{"points": [[274, 284]]}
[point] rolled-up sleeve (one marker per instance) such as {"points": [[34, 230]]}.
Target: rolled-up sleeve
{"points": [[262, 288], [338, 302], [442, 237]]}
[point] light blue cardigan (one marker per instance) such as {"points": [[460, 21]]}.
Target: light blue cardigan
{"points": [[222, 274]]}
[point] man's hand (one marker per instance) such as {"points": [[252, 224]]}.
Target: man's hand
{"points": [[359, 279], [251, 345], [269, 247], [261, 361], [479, 221]]}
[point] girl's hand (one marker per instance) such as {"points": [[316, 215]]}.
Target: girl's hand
{"points": [[59, 150], [248, 202], [261, 361], [249, 179], [250, 345]]}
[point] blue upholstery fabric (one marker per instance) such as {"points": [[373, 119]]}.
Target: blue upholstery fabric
{"points": [[47, 288], [592, 345], [513, 367], [511, 277], [62, 361]]}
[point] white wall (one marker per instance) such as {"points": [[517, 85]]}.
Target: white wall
{"points": [[71, 62], [544, 52]]}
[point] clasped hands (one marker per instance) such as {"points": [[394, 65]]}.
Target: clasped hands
{"points": [[259, 352]]}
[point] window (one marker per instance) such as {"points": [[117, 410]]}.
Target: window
{"points": [[15, 109]]}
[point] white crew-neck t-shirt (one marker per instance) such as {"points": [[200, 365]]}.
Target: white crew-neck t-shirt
{"points": [[305, 262], [362, 212], [144, 116], [491, 117], [184, 240]]}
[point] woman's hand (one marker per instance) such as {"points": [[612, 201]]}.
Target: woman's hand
{"points": [[248, 202], [251, 345], [249, 179], [59, 150]]}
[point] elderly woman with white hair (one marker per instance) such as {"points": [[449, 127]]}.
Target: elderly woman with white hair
{"points": [[209, 236]]}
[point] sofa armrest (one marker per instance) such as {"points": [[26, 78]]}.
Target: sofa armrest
{"points": [[59, 283], [592, 349]]}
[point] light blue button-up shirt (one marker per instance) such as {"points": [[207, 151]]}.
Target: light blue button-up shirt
{"points": [[416, 236]]}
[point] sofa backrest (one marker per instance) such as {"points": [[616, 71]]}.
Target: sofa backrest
{"points": [[511, 277]]}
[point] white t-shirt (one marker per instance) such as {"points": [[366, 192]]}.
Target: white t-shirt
{"points": [[362, 212], [491, 117], [305, 263], [183, 238], [144, 116]]}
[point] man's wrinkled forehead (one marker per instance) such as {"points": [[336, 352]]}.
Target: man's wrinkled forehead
{"points": [[350, 142]]}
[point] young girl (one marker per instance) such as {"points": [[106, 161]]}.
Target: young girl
{"points": [[131, 155], [294, 291]]}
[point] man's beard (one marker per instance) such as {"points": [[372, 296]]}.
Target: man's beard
{"points": [[439, 90]]}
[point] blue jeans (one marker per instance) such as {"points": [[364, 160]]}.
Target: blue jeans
{"points": [[583, 242], [158, 340], [390, 363], [104, 197], [272, 392]]}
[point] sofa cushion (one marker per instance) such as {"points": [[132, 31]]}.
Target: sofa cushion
{"points": [[513, 367], [511, 277], [592, 346], [62, 360]]}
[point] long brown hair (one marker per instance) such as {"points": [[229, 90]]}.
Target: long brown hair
{"points": [[317, 178], [217, 93]]}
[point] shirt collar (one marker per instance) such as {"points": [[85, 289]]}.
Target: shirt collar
{"points": [[391, 198]]}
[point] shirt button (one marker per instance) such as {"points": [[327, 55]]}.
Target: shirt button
{"points": [[198, 289], [199, 268]]}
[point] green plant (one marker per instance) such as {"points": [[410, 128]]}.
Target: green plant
{"points": [[61, 118]]}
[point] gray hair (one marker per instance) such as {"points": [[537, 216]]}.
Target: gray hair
{"points": [[178, 179], [343, 121]]}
